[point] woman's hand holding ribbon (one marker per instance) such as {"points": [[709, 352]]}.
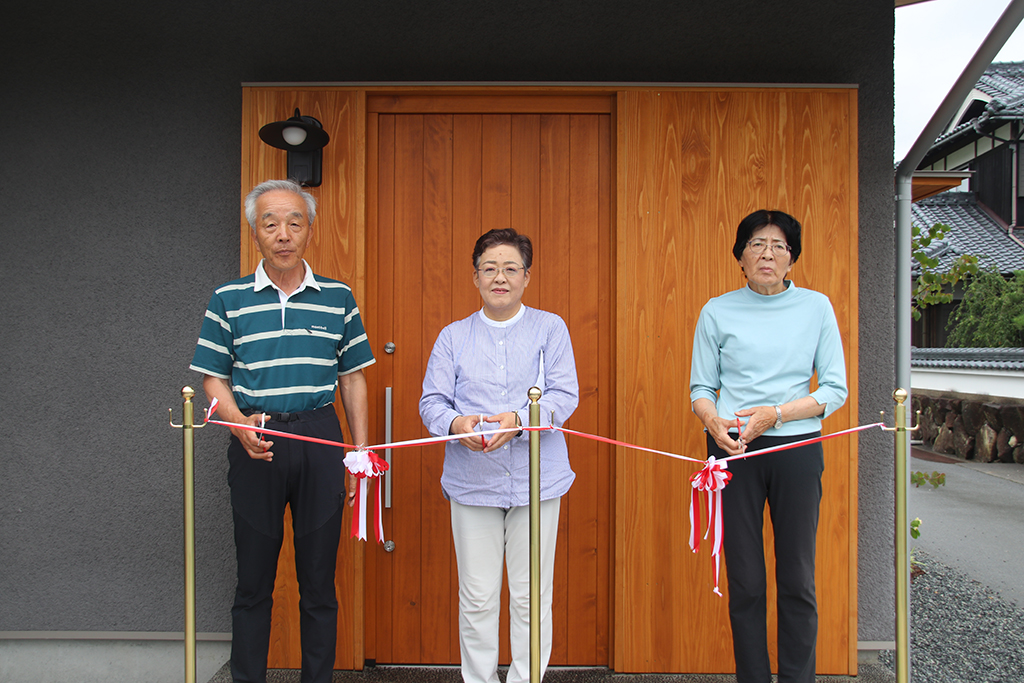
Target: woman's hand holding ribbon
{"points": [[718, 427], [761, 419], [465, 424], [505, 421]]}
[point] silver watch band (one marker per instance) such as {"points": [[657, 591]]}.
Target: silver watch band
{"points": [[778, 417]]}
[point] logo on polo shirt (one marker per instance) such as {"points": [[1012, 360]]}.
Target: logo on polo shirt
{"points": [[319, 327]]}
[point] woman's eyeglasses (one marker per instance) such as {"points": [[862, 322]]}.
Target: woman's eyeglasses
{"points": [[489, 272], [757, 247]]}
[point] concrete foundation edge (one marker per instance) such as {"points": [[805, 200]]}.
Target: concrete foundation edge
{"points": [[111, 657], [92, 660]]}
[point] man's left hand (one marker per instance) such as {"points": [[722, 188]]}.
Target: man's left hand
{"points": [[352, 482]]}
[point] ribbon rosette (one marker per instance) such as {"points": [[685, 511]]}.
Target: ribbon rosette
{"points": [[711, 479], [366, 465]]}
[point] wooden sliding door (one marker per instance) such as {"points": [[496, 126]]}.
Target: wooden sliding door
{"points": [[439, 180]]}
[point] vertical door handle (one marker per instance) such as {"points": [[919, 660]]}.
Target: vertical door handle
{"points": [[387, 452]]}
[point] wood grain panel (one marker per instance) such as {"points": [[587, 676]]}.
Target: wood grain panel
{"points": [[693, 163], [408, 485], [551, 285], [467, 217], [438, 564], [488, 171], [583, 501], [496, 171], [489, 104], [337, 251], [379, 374], [852, 354], [379, 565], [606, 399]]}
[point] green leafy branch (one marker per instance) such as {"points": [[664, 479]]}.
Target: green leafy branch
{"points": [[935, 286], [918, 479], [991, 314]]}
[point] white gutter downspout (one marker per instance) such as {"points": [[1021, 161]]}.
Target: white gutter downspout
{"points": [[990, 47], [997, 37]]}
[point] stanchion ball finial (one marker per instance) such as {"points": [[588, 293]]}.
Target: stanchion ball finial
{"points": [[900, 395], [534, 394], [187, 393]]}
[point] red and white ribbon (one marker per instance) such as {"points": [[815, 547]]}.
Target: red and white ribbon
{"points": [[366, 465], [711, 479], [212, 409]]}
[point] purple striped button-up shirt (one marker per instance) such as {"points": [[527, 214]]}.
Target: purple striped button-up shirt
{"points": [[481, 366]]}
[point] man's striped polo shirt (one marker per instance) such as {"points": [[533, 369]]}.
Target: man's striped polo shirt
{"points": [[282, 359]]}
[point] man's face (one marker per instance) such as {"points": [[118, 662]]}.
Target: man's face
{"points": [[282, 230]]}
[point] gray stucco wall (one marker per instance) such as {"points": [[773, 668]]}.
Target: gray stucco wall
{"points": [[119, 180]]}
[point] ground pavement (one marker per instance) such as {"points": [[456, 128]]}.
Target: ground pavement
{"points": [[975, 522]]}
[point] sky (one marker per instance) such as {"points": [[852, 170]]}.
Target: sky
{"points": [[934, 41]]}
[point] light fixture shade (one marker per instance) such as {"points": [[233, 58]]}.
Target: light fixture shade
{"points": [[316, 136], [305, 159]]}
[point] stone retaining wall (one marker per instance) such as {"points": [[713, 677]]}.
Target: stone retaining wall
{"points": [[984, 429]]}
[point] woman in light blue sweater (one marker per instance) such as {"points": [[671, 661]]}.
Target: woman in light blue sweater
{"points": [[754, 353]]}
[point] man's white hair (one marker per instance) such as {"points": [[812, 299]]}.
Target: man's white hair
{"points": [[268, 186]]}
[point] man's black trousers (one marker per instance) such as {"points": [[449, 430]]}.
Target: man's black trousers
{"points": [[310, 479]]}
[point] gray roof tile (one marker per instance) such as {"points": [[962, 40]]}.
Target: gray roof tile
{"points": [[1004, 83], [974, 231], [968, 359]]}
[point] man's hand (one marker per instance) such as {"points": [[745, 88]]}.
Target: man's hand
{"points": [[220, 389], [254, 444], [352, 482]]}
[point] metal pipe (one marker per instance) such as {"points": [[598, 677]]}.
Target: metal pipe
{"points": [[997, 37], [387, 452], [188, 428], [534, 395], [902, 552]]}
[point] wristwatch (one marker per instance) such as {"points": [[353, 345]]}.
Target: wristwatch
{"points": [[778, 417]]}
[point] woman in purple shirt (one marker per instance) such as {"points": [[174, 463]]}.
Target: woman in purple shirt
{"points": [[477, 378]]}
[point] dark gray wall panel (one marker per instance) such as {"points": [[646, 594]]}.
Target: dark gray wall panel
{"points": [[119, 168]]}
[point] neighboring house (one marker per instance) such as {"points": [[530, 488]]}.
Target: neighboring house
{"points": [[976, 230], [983, 143]]}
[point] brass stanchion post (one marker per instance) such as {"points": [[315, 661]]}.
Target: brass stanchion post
{"points": [[534, 395], [902, 435], [188, 441]]}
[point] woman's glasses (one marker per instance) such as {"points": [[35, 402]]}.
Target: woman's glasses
{"points": [[757, 247], [489, 272]]}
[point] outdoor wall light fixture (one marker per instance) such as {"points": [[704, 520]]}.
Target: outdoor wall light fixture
{"points": [[304, 138]]}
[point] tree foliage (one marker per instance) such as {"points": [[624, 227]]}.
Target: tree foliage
{"points": [[991, 314], [935, 286]]}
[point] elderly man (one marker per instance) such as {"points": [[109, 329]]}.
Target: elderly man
{"points": [[273, 346]]}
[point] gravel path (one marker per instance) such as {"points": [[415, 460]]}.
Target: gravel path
{"points": [[961, 631]]}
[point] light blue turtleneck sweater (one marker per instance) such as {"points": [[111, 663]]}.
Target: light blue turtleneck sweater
{"points": [[754, 350]]}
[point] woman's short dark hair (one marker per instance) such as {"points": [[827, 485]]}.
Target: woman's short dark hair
{"points": [[789, 226], [508, 236]]}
